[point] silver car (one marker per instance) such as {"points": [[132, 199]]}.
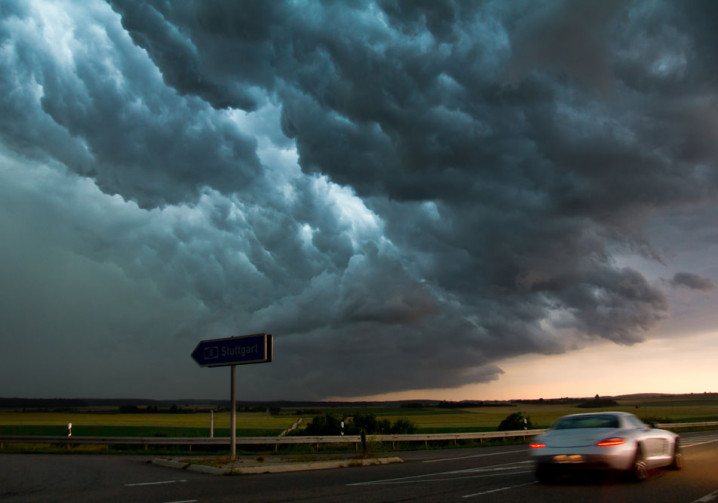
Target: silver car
{"points": [[615, 441]]}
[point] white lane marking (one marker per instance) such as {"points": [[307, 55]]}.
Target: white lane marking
{"points": [[708, 497], [500, 489], [160, 482], [688, 444], [473, 456], [489, 471], [408, 480]]}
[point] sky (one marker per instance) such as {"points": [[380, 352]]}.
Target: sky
{"points": [[417, 199]]}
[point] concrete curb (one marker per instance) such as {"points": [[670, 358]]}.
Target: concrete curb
{"points": [[273, 468], [210, 470], [313, 465], [170, 463]]}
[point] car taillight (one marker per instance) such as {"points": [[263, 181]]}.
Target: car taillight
{"points": [[537, 446], [608, 442]]}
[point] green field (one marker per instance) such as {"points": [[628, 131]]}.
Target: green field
{"points": [[141, 424], [542, 416], [684, 408]]}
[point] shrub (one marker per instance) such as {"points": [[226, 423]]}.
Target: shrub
{"points": [[362, 422], [326, 424], [515, 421], [329, 424], [403, 426]]}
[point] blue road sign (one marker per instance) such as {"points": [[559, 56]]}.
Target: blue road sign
{"points": [[240, 350]]}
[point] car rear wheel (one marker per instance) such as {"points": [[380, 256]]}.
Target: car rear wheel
{"points": [[639, 471], [677, 461]]}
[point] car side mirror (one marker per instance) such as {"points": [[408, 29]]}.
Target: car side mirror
{"points": [[653, 425]]}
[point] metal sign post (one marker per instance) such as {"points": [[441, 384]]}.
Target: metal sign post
{"points": [[233, 415], [233, 351]]}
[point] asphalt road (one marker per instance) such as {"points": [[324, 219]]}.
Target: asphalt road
{"points": [[493, 475]]}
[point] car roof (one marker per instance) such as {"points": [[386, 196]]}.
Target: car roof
{"points": [[621, 418], [601, 413]]}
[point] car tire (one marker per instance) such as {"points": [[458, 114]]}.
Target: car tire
{"points": [[639, 470], [677, 460]]}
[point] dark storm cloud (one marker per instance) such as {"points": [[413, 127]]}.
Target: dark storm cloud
{"points": [[693, 282], [105, 112], [467, 175]]}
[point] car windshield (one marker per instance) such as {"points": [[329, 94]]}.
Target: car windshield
{"points": [[594, 421]]}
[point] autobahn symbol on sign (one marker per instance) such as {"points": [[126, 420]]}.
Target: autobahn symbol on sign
{"points": [[239, 350]]}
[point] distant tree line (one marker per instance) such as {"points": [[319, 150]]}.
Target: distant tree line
{"points": [[597, 403], [44, 404], [465, 404], [551, 401], [179, 409], [448, 404]]}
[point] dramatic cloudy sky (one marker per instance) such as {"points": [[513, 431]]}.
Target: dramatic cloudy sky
{"points": [[445, 199]]}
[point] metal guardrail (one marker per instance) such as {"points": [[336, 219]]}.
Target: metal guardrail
{"points": [[277, 441], [268, 441], [670, 426]]}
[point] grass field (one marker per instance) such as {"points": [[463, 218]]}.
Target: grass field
{"points": [[542, 416], [141, 424], [685, 408]]}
